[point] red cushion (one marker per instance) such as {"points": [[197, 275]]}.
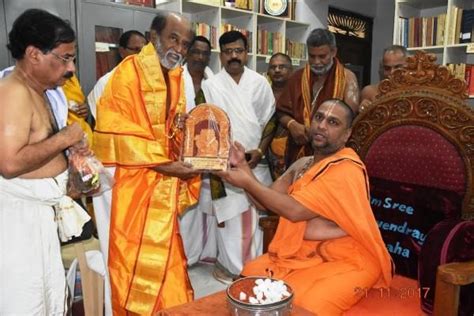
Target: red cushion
{"points": [[405, 213], [402, 298], [417, 155]]}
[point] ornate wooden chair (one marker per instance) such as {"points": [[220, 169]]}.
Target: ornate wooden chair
{"points": [[418, 138], [418, 133]]}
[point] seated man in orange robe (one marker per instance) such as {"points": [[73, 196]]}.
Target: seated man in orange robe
{"points": [[137, 131], [327, 245]]}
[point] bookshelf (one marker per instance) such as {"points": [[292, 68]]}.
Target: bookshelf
{"points": [[266, 34], [441, 27], [210, 18]]}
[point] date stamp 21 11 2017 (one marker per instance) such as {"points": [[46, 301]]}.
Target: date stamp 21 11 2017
{"points": [[392, 293]]}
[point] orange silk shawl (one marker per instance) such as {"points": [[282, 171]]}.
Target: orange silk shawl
{"points": [[343, 198], [147, 264]]}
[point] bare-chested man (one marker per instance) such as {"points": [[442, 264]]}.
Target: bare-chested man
{"points": [[33, 166], [322, 78], [394, 57]]}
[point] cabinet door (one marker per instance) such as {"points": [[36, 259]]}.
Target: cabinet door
{"points": [[142, 20], [12, 9], [95, 16]]}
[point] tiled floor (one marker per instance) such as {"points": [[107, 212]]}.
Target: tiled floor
{"points": [[202, 280]]}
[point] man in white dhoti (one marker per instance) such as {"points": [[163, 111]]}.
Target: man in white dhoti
{"points": [[197, 227], [33, 166], [248, 100]]}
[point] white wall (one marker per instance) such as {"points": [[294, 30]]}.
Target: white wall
{"points": [[313, 12], [382, 34]]}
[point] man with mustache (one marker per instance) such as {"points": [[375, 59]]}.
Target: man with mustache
{"points": [[394, 57], [130, 43], [138, 132], [323, 77], [198, 228], [279, 71], [248, 100], [327, 246], [33, 164]]}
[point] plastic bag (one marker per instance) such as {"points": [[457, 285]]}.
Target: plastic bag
{"points": [[87, 175]]}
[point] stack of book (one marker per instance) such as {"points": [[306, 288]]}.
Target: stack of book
{"points": [[206, 30], [437, 30], [295, 49], [460, 25], [225, 27], [269, 43], [422, 31], [464, 72]]}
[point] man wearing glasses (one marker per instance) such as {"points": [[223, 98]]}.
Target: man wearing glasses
{"points": [[248, 100], [33, 166], [137, 132], [130, 43], [279, 71]]}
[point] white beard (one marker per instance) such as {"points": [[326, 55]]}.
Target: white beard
{"points": [[169, 60], [323, 70]]}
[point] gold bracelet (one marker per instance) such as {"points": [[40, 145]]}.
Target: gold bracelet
{"points": [[260, 152], [289, 123]]}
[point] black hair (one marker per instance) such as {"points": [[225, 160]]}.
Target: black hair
{"points": [[350, 113], [159, 22], [40, 29], [200, 38], [320, 37], [125, 37], [288, 58], [232, 36]]}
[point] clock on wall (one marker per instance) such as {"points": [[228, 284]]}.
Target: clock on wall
{"points": [[279, 8]]}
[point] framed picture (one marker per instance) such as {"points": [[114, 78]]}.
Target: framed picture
{"points": [[206, 143], [278, 8]]}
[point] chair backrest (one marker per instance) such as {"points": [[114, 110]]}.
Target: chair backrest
{"points": [[417, 141]]}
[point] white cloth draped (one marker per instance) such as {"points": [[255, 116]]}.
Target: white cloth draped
{"points": [[189, 86], [249, 105], [32, 280], [102, 203], [97, 91]]}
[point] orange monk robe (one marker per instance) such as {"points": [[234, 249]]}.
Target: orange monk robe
{"points": [[147, 264], [330, 276], [72, 90]]}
